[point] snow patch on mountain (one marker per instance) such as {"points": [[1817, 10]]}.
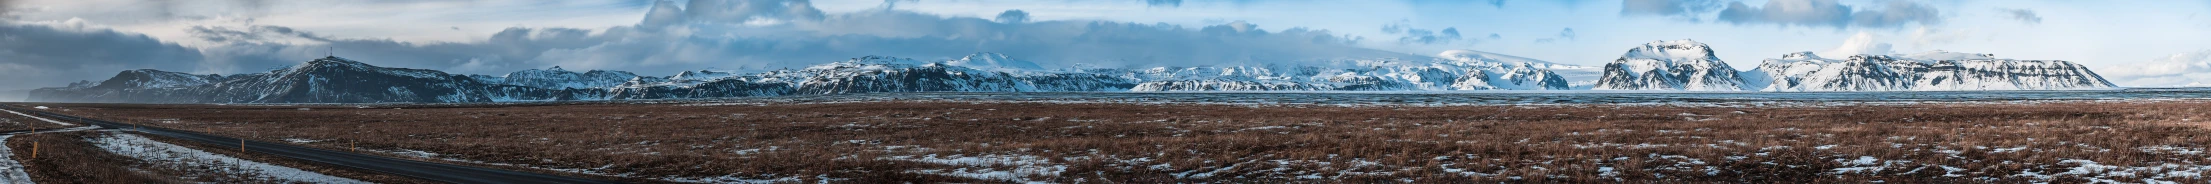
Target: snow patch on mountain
{"points": [[557, 78], [1670, 65], [995, 62], [1928, 71]]}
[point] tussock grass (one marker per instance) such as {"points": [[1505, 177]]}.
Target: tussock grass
{"points": [[966, 142]]}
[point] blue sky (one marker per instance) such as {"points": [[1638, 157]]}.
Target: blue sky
{"points": [[51, 42]]}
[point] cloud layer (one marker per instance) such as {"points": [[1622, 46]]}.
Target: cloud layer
{"points": [[1861, 43], [1829, 13], [1667, 7], [2183, 69], [59, 52], [673, 36]]}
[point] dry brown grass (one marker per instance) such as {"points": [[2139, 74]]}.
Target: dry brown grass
{"points": [[897, 141], [66, 158]]}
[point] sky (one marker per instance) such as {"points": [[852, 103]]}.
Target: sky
{"points": [[47, 43]]}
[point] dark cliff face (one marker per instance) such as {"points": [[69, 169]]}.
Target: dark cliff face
{"points": [[332, 80], [557, 78], [1077, 82], [712, 89], [934, 78]]}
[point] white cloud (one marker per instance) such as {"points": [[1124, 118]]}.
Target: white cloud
{"points": [[730, 36], [1924, 37], [2183, 69], [405, 20], [1862, 43]]}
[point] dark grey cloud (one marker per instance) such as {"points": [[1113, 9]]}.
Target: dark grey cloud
{"points": [[2023, 15], [1829, 13], [748, 36], [6, 7], [36, 55], [1688, 8], [747, 10], [1567, 34], [1013, 16], [114, 12], [892, 4], [1164, 3]]}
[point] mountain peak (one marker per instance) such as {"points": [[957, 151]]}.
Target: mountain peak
{"points": [[1800, 55], [1683, 49], [1941, 55], [333, 61], [1462, 55]]}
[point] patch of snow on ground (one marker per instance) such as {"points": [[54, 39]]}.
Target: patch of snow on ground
{"points": [[155, 151], [985, 166], [300, 141], [10, 170], [2172, 150]]}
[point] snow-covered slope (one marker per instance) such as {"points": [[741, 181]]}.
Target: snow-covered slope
{"points": [[1929, 71], [995, 62], [1460, 73], [132, 85], [1670, 65], [557, 78], [876, 74], [324, 80], [148, 78]]}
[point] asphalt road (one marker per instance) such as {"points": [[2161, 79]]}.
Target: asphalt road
{"points": [[410, 168]]}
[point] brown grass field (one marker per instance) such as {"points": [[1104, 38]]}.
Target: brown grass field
{"points": [[65, 157], [890, 142]]}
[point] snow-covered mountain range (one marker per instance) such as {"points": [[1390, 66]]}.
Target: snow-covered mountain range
{"points": [[1688, 65], [1662, 65], [1929, 71]]}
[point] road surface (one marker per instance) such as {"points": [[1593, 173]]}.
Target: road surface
{"points": [[410, 168]]}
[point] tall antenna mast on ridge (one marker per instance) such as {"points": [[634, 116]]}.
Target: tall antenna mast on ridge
{"points": [[333, 52]]}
